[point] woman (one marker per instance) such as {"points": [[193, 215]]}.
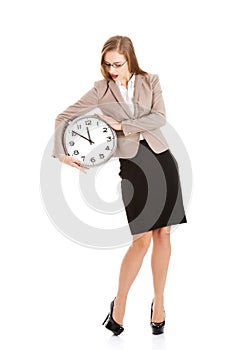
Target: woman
{"points": [[131, 103]]}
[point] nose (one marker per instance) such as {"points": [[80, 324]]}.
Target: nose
{"points": [[112, 69]]}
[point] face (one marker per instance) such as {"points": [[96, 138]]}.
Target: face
{"points": [[120, 71]]}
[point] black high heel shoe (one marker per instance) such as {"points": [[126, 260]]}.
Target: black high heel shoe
{"points": [[110, 323], [157, 327]]}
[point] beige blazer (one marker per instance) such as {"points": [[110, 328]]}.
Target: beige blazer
{"points": [[149, 115]]}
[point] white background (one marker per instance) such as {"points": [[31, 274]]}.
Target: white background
{"points": [[55, 293]]}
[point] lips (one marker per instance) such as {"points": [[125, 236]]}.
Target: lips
{"points": [[114, 76]]}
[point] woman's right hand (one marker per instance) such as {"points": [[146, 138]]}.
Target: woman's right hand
{"points": [[75, 163]]}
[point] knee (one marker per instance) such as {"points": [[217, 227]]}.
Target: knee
{"points": [[142, 242], [161, 235]]}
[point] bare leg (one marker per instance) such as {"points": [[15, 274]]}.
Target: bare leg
{"points": [[160, 261], [130, 267]]}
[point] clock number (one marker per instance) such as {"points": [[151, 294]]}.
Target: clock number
{"points": [[88, 122], [101, 156], [74, 133], [107, 148], [78, 126], [104, 129], [83, 157], [71, 143], [93, 160], [108, 138], [76, 152]]}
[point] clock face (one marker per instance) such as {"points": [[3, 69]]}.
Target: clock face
{"points": [[90, 140]]}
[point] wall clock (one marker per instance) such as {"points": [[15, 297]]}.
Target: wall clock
{"points": [[89, 139]]}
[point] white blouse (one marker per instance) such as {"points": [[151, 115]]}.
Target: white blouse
{"points": [[128, 93]]}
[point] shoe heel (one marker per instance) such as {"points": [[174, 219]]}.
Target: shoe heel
{"points": [[114, 326], [105, 319], [110, 323]]}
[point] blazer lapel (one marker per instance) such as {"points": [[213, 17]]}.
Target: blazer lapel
{"points": [[137, 87], [119, 98], [136, 96]]}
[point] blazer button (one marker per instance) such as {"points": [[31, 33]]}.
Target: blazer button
{"points": [[129, 133]]}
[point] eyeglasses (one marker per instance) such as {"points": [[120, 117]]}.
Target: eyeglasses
{"points": [[114, 65]]}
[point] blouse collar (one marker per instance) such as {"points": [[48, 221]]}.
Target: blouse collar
{"points": [[131, 82]]}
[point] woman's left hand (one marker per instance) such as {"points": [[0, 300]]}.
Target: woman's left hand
{"points": [[111, 121]]}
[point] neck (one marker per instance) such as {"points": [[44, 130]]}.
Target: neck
{"points": [[125, 81]]}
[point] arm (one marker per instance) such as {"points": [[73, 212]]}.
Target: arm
{"points": [[155, 119], [88, 102]]}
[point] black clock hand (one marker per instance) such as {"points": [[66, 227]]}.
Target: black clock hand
{"points": [[76, 133], [89, 136]]}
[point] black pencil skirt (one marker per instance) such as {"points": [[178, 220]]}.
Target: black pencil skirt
{"points": [[151, 190]]}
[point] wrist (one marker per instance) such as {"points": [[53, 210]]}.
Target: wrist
{"points": [[61, 157]]}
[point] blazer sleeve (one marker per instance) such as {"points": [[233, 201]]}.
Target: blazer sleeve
{"points": [[88, 102], [155, 119]]}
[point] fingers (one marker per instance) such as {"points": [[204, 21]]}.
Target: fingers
{"points": [[80, 167], [75, 163]]}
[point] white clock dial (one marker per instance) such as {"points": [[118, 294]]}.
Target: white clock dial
{"points": [[90, 139]]}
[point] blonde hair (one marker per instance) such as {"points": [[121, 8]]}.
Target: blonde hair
{"points": [[124, 46]]}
